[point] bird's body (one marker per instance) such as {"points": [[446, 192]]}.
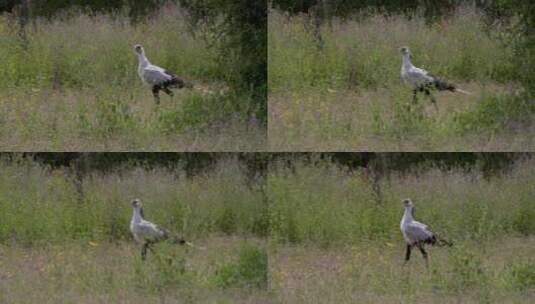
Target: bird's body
{"points": [[413, 231], [156, 77], [147, 233], [421, 80], [417, 234]]}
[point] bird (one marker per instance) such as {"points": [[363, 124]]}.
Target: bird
{"points": [[417, 234], [421, 80], [148, 233], [157, 77]]}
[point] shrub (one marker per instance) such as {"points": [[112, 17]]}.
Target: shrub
{"points": [[520, 276], [251, 269]]}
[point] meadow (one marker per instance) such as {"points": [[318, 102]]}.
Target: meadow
{"points": [[332, 241], [345, 94], [71, 84], [78, 249]]}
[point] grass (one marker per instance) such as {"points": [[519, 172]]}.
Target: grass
{"points": [[471, 272], [72, 85], [43, 206], [97, 272], [348, 96], [332, 242], [324, 205], [73, 244]]}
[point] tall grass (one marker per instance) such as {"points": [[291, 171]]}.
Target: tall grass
{"points": [[364, 53], [333, 242], [42, 206], [347, 95], [76, 50], [324, 204], [73, 85]]}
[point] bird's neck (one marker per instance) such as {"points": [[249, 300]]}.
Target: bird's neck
{"points": [[407, 61], [407, 216], [143, 61], [136, 217]]}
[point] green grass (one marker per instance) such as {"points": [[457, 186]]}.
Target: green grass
{"points": [[332, 242], [73, 86], [348, 94], [249, 271], [42, 206], [74, 245], [324, 205]]}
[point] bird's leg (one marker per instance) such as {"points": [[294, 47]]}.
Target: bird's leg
{"points": [[424, 254], [433, 100], [146, 246], [149, 246], [144, 251], [414, 96], [407, 254], [167, 91], [155, 90]]}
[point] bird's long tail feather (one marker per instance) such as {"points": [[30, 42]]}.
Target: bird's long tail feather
{"points": [[463, 91], [182, 241], [442, 242]]}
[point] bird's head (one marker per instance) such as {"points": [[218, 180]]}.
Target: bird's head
{"points": [[138, 49], [404, 50], [407, 203], [136, 203]]}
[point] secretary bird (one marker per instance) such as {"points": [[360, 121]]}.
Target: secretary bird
{"points": [[417, 234], [148, 233], [421, 80], [156, 77]]}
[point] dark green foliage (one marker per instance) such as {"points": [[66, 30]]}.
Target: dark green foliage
{"points": [[241, 31], [137, 9], [432, 10]]}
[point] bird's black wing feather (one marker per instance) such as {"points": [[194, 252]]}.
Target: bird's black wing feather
{"points": [[442, 85], [176, 82]]}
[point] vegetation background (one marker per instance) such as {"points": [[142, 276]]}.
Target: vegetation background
{"points": [[64, 228], [269, 227], [335, 238], [69, 75], [334, 75]]}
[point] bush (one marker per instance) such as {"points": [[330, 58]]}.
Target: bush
{"points": [[520, 276], [251, 269], [493, 113]]}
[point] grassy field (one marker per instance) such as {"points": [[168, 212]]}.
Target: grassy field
{"points": [[347, 95], [72, 85], [332, 242], [74, 249], [105, 273]]}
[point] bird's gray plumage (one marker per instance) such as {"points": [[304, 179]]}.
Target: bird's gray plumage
{"points": [[147, 233], [417, 234], [421, 80], [157, 77]]}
